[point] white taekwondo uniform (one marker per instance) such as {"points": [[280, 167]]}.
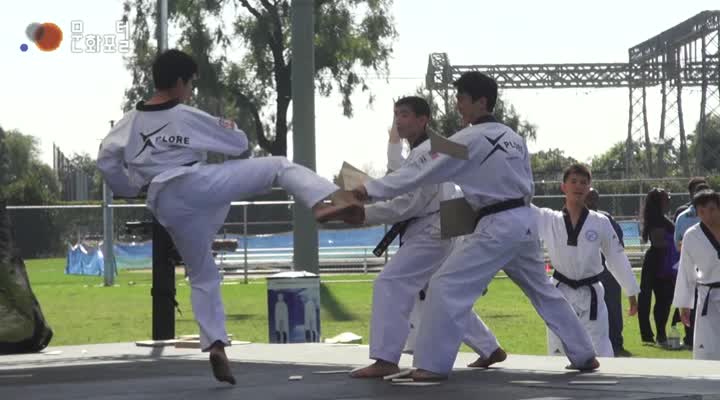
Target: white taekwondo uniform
{"points": [[422, 251], [575, 253], [700, 268], [165, 146], [497, 182]]}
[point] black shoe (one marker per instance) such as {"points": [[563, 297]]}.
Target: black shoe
{"points": [[621, 352]]}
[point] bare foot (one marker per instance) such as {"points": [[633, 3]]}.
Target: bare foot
{"points": [[499, 355], [220, 365], [589, 366], [377, 370], [421, 375]]}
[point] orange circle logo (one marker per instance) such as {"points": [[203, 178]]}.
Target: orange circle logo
{"points": [[47, 36]]}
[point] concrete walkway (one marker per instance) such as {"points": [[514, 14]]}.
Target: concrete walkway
{"points": [[124, 371]]}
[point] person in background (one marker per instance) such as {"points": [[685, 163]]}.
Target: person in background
{"points": [[683, 221], [657, 274], [613, 291], [699, 275]]}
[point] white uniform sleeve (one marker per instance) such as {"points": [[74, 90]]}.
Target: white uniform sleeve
{"points": [[684, 296], [111, 156], [394, 156], [544, 218], [402, 207], [617, 262], [426, 169], [210, 133]]}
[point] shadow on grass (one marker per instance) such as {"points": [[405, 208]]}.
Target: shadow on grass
{"points": [[331, 304], [238, 317]]}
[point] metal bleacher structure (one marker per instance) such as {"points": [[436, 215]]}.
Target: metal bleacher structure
{"points": [[686, 55]]}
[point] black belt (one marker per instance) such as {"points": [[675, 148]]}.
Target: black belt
{"points": [[398, 228], [710, 286], [499, 207], [580, 283]]}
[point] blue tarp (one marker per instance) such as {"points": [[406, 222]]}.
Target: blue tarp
{"points": [[133, 255], [83, 260]]}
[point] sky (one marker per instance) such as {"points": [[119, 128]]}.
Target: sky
{"points": [[68, 98]]}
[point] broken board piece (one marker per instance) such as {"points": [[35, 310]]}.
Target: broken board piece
{"points": [[417, 383], [191, 344], [457, 218], [337, 371], [593, 382], [397, 375], [440, 144]]}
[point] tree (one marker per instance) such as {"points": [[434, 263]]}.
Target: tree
{"points": [[4, 166], [352, 36], [82, 162], [450, 121], [549, 164], [29, 180], [710, 162]]}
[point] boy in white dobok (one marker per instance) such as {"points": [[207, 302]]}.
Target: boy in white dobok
{"points": [[575, 238], [496, 180], [162, 145], [415, 218], [700, 269]]}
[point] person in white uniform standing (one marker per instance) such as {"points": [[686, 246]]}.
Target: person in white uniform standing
{"points": [[575, 238], [415, 218], [496, 180], [162, 145], [700, 270]]}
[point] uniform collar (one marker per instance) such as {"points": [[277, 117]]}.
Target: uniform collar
{"points": [[141, 106], [574, 232], [419, 140], [711, 238], [485, 119]]}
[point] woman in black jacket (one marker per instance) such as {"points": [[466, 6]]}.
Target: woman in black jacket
{"points": [[658, 274]]}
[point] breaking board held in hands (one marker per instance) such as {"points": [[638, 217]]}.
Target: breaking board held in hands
{"points": [[457, 218], [351, 177]]}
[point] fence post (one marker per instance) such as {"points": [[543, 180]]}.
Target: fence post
{"points": [[365, 265], [245, 241]]}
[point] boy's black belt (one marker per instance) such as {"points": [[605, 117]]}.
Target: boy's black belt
{"points": [[577, 284], [710, 286]]}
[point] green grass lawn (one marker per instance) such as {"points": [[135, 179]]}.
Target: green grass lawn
{"points": [[80, 310]]}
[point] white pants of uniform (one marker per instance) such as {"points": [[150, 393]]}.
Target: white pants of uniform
{"points": [[706, 343], [193, 207], [394, 293], [598, 329], [508, 239]]}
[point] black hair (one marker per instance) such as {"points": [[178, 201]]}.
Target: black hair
{"points": [[703, 197], [418, 105], [694, 182], [578, 169], [476, 85], [171, 65], [653, 214]]}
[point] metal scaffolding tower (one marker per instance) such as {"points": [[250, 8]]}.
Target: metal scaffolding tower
{"points": [[686, 55]]}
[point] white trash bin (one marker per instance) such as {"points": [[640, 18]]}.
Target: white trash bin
{"points": [[293, 307]]}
